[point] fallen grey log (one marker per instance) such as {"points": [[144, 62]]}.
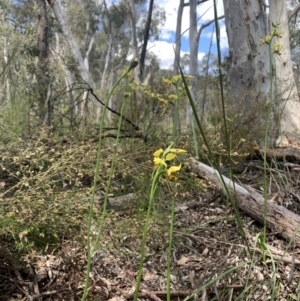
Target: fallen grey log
{"points": [[279, 219], [118, 203]]}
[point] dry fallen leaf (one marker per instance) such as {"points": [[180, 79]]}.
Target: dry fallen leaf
{"points": [[117, 298], [183, 260], [150, 276]]}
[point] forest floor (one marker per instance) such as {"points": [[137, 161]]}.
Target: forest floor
{"points": [[209, 258]]}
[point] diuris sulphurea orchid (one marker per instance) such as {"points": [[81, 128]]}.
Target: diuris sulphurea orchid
{"points": [[162, 158]]}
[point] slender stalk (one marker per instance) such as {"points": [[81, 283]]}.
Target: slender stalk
{"points": [[170, 252], [112, 170], [89, 250], [153, 189], [267, 122]]}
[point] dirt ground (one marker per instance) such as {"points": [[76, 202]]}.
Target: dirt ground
{"points": [[210, 260]]}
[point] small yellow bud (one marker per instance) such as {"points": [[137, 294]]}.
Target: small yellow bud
{"points": [[261, 42], [268, 38]]}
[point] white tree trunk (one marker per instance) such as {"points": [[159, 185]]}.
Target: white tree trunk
{"points": [[71, 41], [74, 106], [249, 65], [6, 75], [178, 37], [193, 65], [84, 72], [104, 79], [87, 66], [134, 43], [285, 82]]}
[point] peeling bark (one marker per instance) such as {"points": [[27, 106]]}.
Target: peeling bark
{"points": [[287, 92], [249, 63], [249, 67], [250, 78]]}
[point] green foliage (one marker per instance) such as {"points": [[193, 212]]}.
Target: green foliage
{"points": [[54, 177], [46, 174]]}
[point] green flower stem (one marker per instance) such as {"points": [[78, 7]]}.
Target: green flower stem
{"points": [[156, 177], [265, 149], [112, 169], [176, 116], [89, 250], [161, 170], [170, 252]]}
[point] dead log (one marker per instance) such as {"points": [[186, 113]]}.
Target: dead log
{"points": [[287, 154], [279, 219], [119, 203]]}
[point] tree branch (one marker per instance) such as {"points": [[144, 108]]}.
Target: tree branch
{"points": [[294, 12], [206, 25], [135, 127], [198, 2], [146, 37]]}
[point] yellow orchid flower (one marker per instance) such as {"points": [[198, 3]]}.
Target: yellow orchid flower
{"points": [[158, 152], [167, 82], [268, 39], [277, 48], [177, 150], [164, 102], [171, 170], [172, 96], [161, 157], [158, 161], [280, 34], [175, 79], [261, 42], [170, 156], [163, 105]]}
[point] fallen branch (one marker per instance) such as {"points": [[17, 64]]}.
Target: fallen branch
{"points": [[279, 219]]}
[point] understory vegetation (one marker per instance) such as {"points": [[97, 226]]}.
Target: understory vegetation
{"points": [[132, 190], [47, 179]]}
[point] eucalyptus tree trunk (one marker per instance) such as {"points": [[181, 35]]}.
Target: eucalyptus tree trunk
{"points": [[134, 43], [193, 63], [249, 63], [176, 115], [287, 92], [82, 68], [87, 66], [112, 37], [178, 36], [61, 19], [250, 78], [249, 73], [194, 37], [43, 77], [6, 75], [104, 79], [193, 46], [106, 74], [69, 80]]}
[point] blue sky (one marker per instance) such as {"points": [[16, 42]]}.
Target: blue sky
{"points": [[164, 47]]}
